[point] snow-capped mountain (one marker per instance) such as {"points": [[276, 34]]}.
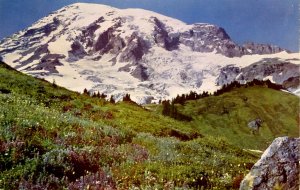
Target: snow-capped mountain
{"points": [[151, 56]]}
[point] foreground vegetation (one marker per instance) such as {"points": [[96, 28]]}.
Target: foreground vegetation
{"points": [[56, 139]]}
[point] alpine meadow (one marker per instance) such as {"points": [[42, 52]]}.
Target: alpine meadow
{"points": [[96, 97]]}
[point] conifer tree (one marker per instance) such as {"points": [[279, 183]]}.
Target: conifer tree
{"points": [[103, 96], [166, 107], [98, 95], [112, 100], [127, 98], [85, 92], [54, 83]]}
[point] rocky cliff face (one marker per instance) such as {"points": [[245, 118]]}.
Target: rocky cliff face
{"points": [[252, 48], [276, 70], [278, 167], [139, 52], [209, 38]]}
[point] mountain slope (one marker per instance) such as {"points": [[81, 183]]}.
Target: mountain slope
{"points": [[53, 138], [227, 115], [148, 55]]}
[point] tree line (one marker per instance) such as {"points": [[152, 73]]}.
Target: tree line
{"points": [[170, 109], [254, 82], [181, 99], [126, 97]]}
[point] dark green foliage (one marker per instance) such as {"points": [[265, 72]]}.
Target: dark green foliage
{"points": [[255, 82], [112, 100], [96, 95], [103, 96], [171, 110], [228, 87], [54, 83], [191, 96], [86, 92], [127, 98], [5, 91], [166, 107]]}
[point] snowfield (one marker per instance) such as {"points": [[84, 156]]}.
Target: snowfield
{"points": [[51, 41]]}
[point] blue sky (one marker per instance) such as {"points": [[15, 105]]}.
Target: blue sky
{"points": [[261, 21]]}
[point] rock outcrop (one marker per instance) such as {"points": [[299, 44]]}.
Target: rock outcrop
{"points": [[278, 167]]}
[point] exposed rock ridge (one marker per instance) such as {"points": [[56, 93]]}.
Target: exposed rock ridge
{"points": [[280, 72], [209, 38], [255, 48]]}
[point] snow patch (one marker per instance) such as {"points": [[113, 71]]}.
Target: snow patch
{"points": [[269, 78], [60, 46]]}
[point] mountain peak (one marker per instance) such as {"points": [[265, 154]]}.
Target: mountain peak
{"points": [[117, 51], [90, 6]]}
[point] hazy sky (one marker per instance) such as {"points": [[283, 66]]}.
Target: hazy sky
{"points": [[261, 21]]}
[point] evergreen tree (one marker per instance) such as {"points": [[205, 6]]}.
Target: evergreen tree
{"points": [[103, 96], [94, 94], [127, 98], [173, 110], [112, 100], [85, 92], [166, 107], [54, 83], [98, 95]]}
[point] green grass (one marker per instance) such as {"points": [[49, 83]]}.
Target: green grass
{"points": [[227, 115], [54, 138]]}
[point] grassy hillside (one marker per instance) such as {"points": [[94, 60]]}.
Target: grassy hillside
{"points": [[227, 115], [53, 138]]}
